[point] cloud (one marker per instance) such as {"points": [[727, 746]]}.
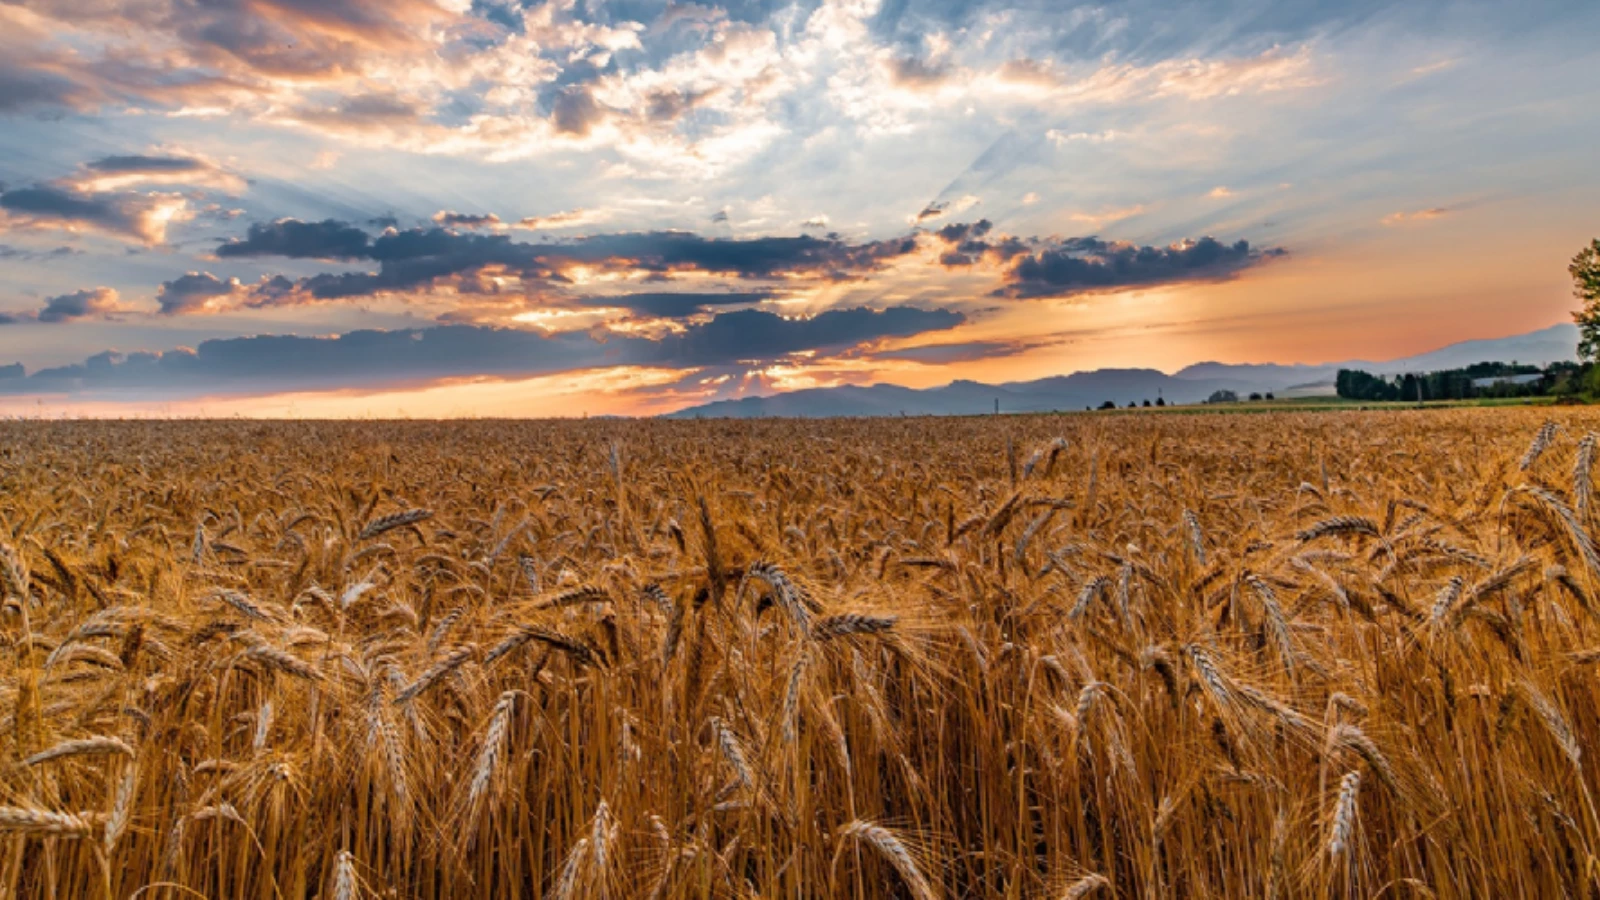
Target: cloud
{"points": [[575, 111], [504, 80], [818, 221], [1081, 265], [271, 363], [1200, 79], [419, 258], [1220, 192], [142, 218], [1415, 217], [1061, 267], [467, 220], [224, 56], [566, 219], [1122, 81], [757, 335], [92, 303], [673, 305], [20, 253], [917, 73], [196, 292], [1107, 216], [23, 89], [110, 173], [98, 303], [947, 354], [1437, 66], [941, 208], [292, 238], [363, 112], [967, 242], [1064, 138], [670, 105], [491, 276]]}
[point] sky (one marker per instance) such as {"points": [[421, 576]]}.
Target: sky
{"points": [[497, 207]]}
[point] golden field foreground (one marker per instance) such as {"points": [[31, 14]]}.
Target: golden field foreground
{"points": [[1026, 657]]}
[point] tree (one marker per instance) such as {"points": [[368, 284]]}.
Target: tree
{"points": [[1354, 384], [1109, 404], [1585, 270], [1255, 396], [1223, 397]]}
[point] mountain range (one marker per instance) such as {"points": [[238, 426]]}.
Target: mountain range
{"points": [[1191, 384]]}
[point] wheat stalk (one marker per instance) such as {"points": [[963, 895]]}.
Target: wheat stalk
{"points": [[392, 521], [1344, 815], [892, 850], [81, 747]]}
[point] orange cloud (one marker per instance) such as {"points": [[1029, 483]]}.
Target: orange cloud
{"points": [[566, 219], [1414, 217], [142, 218]]}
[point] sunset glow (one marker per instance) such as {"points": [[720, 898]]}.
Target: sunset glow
{"points": [[435, 208]]}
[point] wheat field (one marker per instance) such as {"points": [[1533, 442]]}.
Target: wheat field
{"points": [[1332, 654]]}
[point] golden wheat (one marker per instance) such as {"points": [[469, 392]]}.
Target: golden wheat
{"points": [[1029, 657]]}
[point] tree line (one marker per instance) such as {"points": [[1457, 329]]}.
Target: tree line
{"points": [[1484, 379]]}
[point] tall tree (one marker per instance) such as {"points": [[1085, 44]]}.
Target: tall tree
{"points": [[1585, 271]]}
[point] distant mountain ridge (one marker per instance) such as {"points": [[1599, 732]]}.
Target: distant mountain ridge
{"points": [[1190, 384]]}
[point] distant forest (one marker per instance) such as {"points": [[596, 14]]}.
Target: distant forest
{"points": [[1485, 379]]}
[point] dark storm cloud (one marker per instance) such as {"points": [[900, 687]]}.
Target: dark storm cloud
{"points": [[763, 257], [1080, 265], [268, 363], [421, 257], [328, 239], [1059, 267]]}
